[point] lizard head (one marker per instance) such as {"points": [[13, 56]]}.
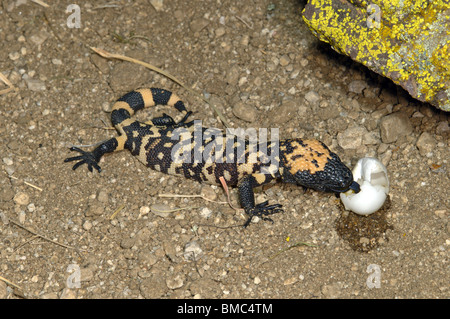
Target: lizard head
{"points": [[311, 164]]}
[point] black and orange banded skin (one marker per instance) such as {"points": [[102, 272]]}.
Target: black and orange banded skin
{"points": [[305, 162]]}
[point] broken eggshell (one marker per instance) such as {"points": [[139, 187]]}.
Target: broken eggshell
{"points": [[373, 179]]}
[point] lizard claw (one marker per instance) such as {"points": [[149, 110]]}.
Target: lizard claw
{"points": [[261, 210], [85, 158]]}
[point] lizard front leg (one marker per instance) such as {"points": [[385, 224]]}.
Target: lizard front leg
{"points": [[247, 198]]}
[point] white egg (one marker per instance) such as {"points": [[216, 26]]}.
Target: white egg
{"points": [[373, 179]]}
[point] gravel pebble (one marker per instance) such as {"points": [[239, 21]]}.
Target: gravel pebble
{"points": [[357, 86], [426, 143], [192, 251], [394, 126], [161, 210], [153, 287], [205, 212], [198, 25], [312, 97], [35, 84], [245, 112], [175, 281], [21, 198], [351, 138]]}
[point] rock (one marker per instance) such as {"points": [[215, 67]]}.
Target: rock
{"points": [[442, 127], [290, 281], [395, 39], [351, 138], [102, 196], [208, 192], [157, 4], [175, 282], [35, 84], [232, 76], [426, 143], [198, 25], [94, 209], [153, 287], [205, 212], [192, 251], [357, 86], [286, 110], [394, 126], [245, 112], [39, 37], [160, 210], [21, 198], [312, 97], [284, 60]]}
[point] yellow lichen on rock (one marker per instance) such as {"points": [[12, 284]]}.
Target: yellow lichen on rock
{"points": [[405, 40]]}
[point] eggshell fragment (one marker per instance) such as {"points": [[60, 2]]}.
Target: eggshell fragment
{"points": [[373, 179]]}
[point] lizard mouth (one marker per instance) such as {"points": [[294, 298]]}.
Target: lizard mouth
{"points": [[354, 186]]}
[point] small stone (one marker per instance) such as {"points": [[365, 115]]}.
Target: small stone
{"points": [[21, 199], [442, 127], [245, 112], [290, 281], [364, 240], [157, 4], [208, 193], [220, 31], [441, 213], [144, 210], [160, 210], [257, 280], [87, 225], [198, 25], [94, 209], [357, 86], [13, 56], [57, 62], [10, 170], [35, 84], [351, 138], [426, 143], [232, 76], [86, 274], [102, 196], [284, 60], [22, 217], [287, 109], [175, 282], [312, 97], [153, 287], [39, 37], [8, 161], [394, 126], [205, 212], [192, 251], [31, 207]]}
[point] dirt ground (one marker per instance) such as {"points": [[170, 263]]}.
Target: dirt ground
{"points": [[102, 236]]}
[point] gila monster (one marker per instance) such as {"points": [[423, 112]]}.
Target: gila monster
{"points": [[305, 162]]}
